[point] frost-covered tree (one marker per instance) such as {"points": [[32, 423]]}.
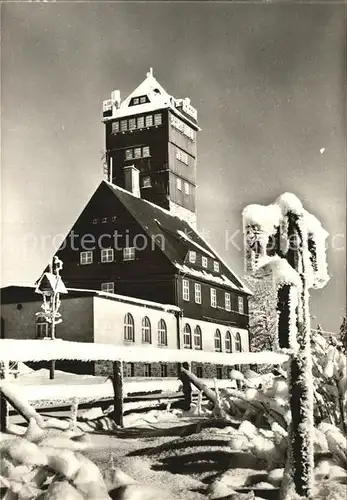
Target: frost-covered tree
{"points": [[262, 314], [343, 334]]}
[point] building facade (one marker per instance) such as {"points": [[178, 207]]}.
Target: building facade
{"points": [[137, 238]]}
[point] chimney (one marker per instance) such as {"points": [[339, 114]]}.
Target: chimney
{"points": [[115, 98], [132, 180]]}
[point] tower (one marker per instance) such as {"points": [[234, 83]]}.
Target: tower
{"points": [[151, 144]]}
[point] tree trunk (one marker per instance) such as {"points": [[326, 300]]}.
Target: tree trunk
{"points": [[117, 380]]}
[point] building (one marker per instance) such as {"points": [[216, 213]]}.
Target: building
{"points": [[136, 238]]}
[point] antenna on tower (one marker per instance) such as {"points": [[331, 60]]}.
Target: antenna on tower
{"points": [[150, 73]]}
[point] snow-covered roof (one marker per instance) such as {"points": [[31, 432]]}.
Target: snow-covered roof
{"points": [[158, 99], [46, 350]]}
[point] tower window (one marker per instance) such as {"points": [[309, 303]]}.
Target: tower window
{"points": [[149, 121], [95, 221], [107, 255], [129, 253], [140, 121], [157, 119], [128, 154], [204, 261], [115, 127], [86, 257], [186, 188], [107, 287], [143, 99], [145, 151], [197, 290], [146, 182], [227, 302], [182, 156], [216, 266], [137, 153], [240, 305], [213, 296], [123, 125], [135, 101], [179, 184], [185, 290], [132, 123], [104, 220]]}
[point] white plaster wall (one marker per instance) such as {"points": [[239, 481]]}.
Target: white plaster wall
{"points": [[109, 323], [77, 324], [208, 330]]}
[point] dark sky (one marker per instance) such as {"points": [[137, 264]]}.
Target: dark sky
{"points": [[267, 80]]}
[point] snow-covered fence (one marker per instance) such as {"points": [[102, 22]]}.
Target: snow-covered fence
{"points": [[57, 349], [286, 242]]}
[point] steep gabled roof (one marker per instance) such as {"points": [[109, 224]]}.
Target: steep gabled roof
{"points": [[179, 237], [158, 99]]}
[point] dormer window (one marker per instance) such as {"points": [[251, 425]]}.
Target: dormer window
{"points": [[142, 99], [204, 261], [216, 266], [192, 256]]}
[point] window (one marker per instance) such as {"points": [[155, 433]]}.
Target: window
{"points": [[185, 289], [132, 123], [219, 372], [217, 341], [228, 342], [107, 287], [157, 119], [182, 156], [147, 370], [162, 333], [123, 125], [227, 301], [128, 370], [134, 101], [104, 220], [86, 257], [114, 218], [41, 327], [149, 121], [216, 266], [179, 184], [140, 121], [115, 127], [129, 330], [128, 154], [143, 99], [145, 151], [187, 337], [107, 255], [163, 370], [146, 182], [238, 345], [192, 256], [95, 221], [204, 261], [240, 305], [199, 371], [186, 188], [129, 253], [197, 338], [137, 153], [197, 290], [146, 331], [213, 297]]}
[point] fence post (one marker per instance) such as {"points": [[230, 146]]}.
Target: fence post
{"points": [[3, 412], [117, 380]]}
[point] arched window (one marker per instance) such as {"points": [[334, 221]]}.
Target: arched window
{"points": [[187, 337], [228, 342], [42, 327], [197, 338], [217, 341], [146, 330], [162, 333], [238, 346], [129, 330]]}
